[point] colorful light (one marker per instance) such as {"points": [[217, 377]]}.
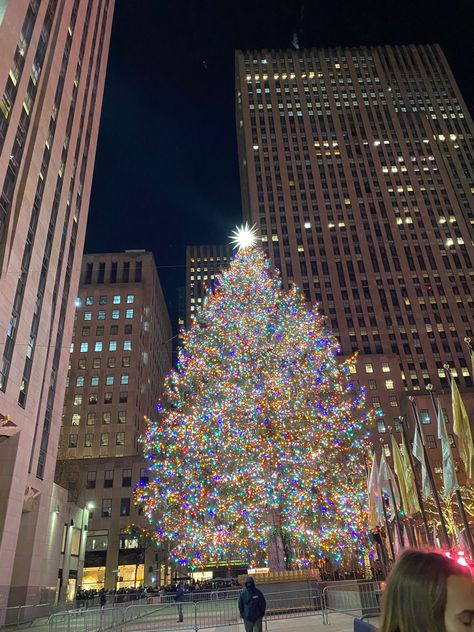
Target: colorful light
{"points": [[258, 438]]}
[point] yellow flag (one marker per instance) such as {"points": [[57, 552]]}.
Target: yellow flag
{"points": [[399, 467], [462, 430], [410, 483]]}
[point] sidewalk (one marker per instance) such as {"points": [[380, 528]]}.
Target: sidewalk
{"points": [[337, 623]]}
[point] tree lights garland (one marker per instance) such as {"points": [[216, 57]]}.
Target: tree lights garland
{"points": [[259, 431]]}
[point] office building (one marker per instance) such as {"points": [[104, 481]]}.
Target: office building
{"points": [[357, 167], [52, 70], [120, 353], [203, 264]]}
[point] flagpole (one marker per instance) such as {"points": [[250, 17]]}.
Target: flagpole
{"points": [[444, 531], [418, 493], [459, 499], [387, 526], [408, 531]]}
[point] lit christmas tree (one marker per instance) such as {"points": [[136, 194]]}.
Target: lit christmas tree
{"points": [[257, 450]]}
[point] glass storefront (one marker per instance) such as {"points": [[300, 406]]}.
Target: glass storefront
{"points": [[93, 578], [130, 575]]}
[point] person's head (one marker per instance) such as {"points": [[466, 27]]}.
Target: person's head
{"points": [[427, 591], [250, 583]]}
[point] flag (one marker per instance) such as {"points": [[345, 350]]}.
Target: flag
{"points": [[375, 514], [450, 481], [410, 482], [462, 430], [399, 467], [435, 537], [419, 455], [461, 538], [385, 478]]}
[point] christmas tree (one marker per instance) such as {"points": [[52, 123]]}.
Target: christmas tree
{"points": [[256, 452]]}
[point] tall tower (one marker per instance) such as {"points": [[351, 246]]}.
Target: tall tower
{"points": [[52, 71], [357, 166], [120, 353]]}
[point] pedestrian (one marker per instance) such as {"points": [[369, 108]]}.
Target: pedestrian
{"points": [[428, 592], [179, 598], [102, 597], [252, 606]]}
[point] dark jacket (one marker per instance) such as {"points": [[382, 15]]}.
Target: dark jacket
{"points": [[252, 603], [179, 593]]}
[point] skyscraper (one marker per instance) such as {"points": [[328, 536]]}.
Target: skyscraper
{"points": [[203, 264], [52, 71], [120, 353], [357, 166]]}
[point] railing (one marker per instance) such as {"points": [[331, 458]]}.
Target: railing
{"points": [[16, 615], [87, 620], [354, 598]]}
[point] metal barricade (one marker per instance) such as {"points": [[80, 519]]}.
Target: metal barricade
{"points": [[304, 602], [354, 598], [151, 617], [87, 620]]}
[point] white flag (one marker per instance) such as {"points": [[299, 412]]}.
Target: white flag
{"points": [[386, 476], [419, 455], [450, 481]]}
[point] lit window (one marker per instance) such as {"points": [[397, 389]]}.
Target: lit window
{"points": [[127, 345], [91, 417], [98, 346], [425, 416], [122, 417], [89, 300], [95, 380], [72, 441], [101, 315], [109, 380], [381, 425], [106, 502], [115, 314], [129, 313], [130, 298], [116, 300], [106, 418], [88, 440], [369, 368], [80, 380], [307, 224], [385, 367], [102, 300], [124, 378], [104, 439], [87, 315], [77, 400], [113, 345], [76, 419], [393, 402], [389, 384], [120, 438]]}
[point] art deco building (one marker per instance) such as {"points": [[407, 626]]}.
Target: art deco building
{"points": [[120, 353], [357, 166], [203, 264], [53, 57]]}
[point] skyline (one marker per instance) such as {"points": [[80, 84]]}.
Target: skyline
{"points": [[174, 144]]}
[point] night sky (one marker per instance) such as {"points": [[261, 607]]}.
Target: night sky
{"points": [[166, 172]]}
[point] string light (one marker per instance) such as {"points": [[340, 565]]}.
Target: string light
{"points": [[259, 433]]}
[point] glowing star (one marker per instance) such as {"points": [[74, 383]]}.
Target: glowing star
{"points": [[244, 237]]}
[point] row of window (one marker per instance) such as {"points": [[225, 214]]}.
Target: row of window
{"points": [[109, 478], [106, 418], [95, 380], [99, 276], [108, 398], [97, 363], [430, 439], [100, 329], [99, 346], [103, 300], [89, 439], [115, 314], [107, 507]]}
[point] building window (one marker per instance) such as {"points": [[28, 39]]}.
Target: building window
{"points": [[125, 506], [91, 417], [81, 363], [96, 363], [80, 380], [91, 478], [94, 380], [72, 441], [106, 507], [372, 385], [93, 398], [116, 300], [86, 331], [113, 345], [444, 412], [431, 441], [369, 368], [76, 419], [98, 346], [127, 345], [108, 398], [425, 416], [126, 361], [88, 440], [108, 478], [126, 478], [89, 300], [128, 329], [87, 315], [381, 425], [393, 401], [84, 347], [109, 380], [452, 442], [104, 439], [101, 315], [77, 400], [389, 384], [120, 438], [130, 298], [111, 362], [385, 367], [115, 314], [99, 330], [102, 300], [123, 397], [124, 378], [106, 418], [129, 313], [113, 330], [122, 417], [143, 476]]}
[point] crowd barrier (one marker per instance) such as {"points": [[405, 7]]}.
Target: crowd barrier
{"points": [[352, 598]]}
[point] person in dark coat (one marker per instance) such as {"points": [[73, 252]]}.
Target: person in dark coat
{"points": [[252, 606], [179, 598], [102, 597]]}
